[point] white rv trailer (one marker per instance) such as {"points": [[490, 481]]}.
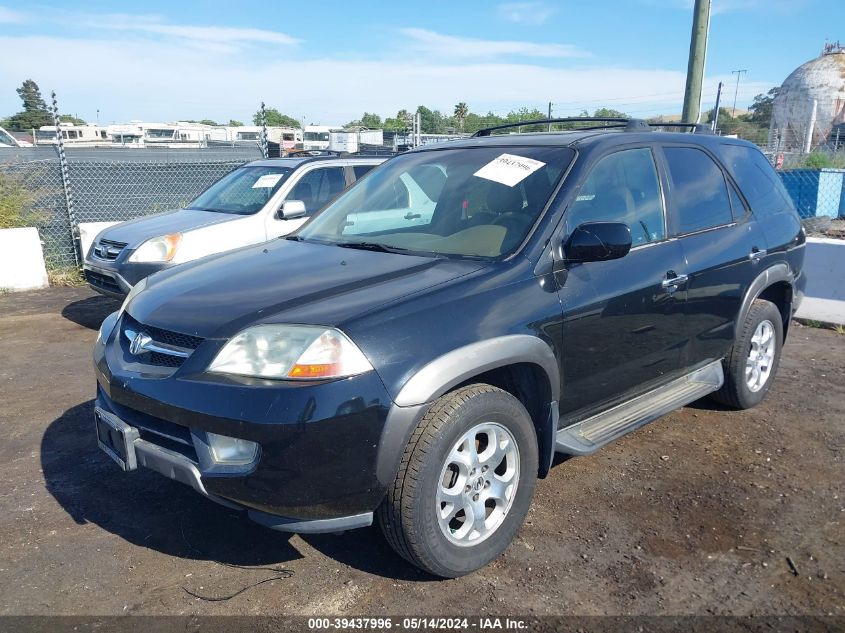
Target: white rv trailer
{"points": [[86, 135], [318, 136]]}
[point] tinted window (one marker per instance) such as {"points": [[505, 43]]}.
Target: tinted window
{"points": [[699, 190], [317, 187], [623, 187], [737, 205], [360, 170], [758, 180]]}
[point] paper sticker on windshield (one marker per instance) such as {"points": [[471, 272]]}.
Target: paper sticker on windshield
{"points": [[267, 180], [509, 169]]}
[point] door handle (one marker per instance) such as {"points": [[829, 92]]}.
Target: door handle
{"points": [[412, 216], [757, 254], [672, 281]]}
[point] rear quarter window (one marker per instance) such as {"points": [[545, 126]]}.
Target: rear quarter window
{"points": [[757, 180]]}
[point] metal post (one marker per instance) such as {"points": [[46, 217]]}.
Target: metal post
{"points": [[550, 115], [716, 112], [738, 74], [263, 135], [808, 142], [697, 58], [60, 148]]}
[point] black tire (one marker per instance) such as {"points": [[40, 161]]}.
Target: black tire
{"points": [[408, 515], [735, 392]]}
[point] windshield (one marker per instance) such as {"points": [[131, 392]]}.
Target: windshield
{"points": [[478, 202], [316, 136], [243, 191]]}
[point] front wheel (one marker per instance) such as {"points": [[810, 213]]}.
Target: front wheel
{"points": [[752, 362], [465, 482]]}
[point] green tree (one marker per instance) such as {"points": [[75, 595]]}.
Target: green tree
{"points": [[234, 123], [431, 121], [461, 112], [400, 123], [610, 113], [35, 113], [276, 119], [761, 109], [67, 118], [30, 94], [371, 120]]}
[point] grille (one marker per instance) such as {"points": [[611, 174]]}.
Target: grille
{"points": [[158, 335], [99, 280], [108, 250]]}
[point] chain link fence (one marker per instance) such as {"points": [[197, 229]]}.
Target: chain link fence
{"points": [[112, 185], [107, 186]]}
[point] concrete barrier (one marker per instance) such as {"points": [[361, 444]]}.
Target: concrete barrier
{"points": [[824, 266], [88, 231], [21, 260]]}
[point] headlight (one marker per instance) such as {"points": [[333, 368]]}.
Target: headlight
{"points": [[157, 249], [291, 352], [231, 450]]}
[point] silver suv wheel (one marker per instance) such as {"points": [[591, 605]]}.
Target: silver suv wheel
{"points": [[477, 484], [758, 366]]}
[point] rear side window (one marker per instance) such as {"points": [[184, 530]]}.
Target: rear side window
{"points": [[757, 179], [317, 187], [699, 190], [360, 170]]}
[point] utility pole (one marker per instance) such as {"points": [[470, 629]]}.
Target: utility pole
{"points": [[738, 74], [697, 57], [716, 111], [550, 115]]}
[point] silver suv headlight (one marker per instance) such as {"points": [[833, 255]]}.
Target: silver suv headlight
{"points": [[290, 352], [157, 249]]}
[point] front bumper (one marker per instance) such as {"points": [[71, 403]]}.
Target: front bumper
{"points": [[319, 441], [116, 278]]}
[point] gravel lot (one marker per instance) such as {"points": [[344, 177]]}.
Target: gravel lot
{"points": [[697, 513]]}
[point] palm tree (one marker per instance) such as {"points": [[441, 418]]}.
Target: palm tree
{"points": [[461, 112]]}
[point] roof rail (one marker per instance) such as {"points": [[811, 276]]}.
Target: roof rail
{"points": [[694, 128], [629, 125]]}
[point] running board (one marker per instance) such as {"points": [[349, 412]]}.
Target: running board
{"points": [[591, 434]]}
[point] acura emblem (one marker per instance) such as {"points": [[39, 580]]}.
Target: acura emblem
{"points": [[139, 343]]}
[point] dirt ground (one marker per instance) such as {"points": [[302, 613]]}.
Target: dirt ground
{"points": [[697, 513]]}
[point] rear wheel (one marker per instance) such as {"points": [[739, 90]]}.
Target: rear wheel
{"points": [[465, 482], [752, 362]]}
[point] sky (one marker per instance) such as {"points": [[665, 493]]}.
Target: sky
{"points": [[328, 61]]}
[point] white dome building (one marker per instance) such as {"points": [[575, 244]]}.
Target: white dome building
{"points": [[821, 80]]}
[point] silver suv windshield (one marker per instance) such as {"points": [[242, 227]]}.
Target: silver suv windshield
{"points": [[243, 191], [473, 202]]}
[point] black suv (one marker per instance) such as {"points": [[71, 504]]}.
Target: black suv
{"points": [[418, 351]]}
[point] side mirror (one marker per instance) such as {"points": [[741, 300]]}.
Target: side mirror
{"points": [[291, 209], [598, 242]]}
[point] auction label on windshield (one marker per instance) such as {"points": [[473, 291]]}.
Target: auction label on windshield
{"points": [[267, 180], [509, 169]]}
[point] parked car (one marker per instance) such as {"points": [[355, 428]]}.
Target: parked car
{"points": [[566, 289], [254, 203]]}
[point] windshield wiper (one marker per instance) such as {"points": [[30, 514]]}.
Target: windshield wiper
{"points": [[372, 246]]}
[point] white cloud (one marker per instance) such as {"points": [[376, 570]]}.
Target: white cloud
{"points": [[215, 37], [533, 13], [8, 16], [439, 45], [133, 79]]}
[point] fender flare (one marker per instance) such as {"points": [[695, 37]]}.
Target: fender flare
{"points": [[772, 275], [443, 373]]}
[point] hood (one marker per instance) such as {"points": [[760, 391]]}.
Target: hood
{"points": [[285, 282], [135, 232]]}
